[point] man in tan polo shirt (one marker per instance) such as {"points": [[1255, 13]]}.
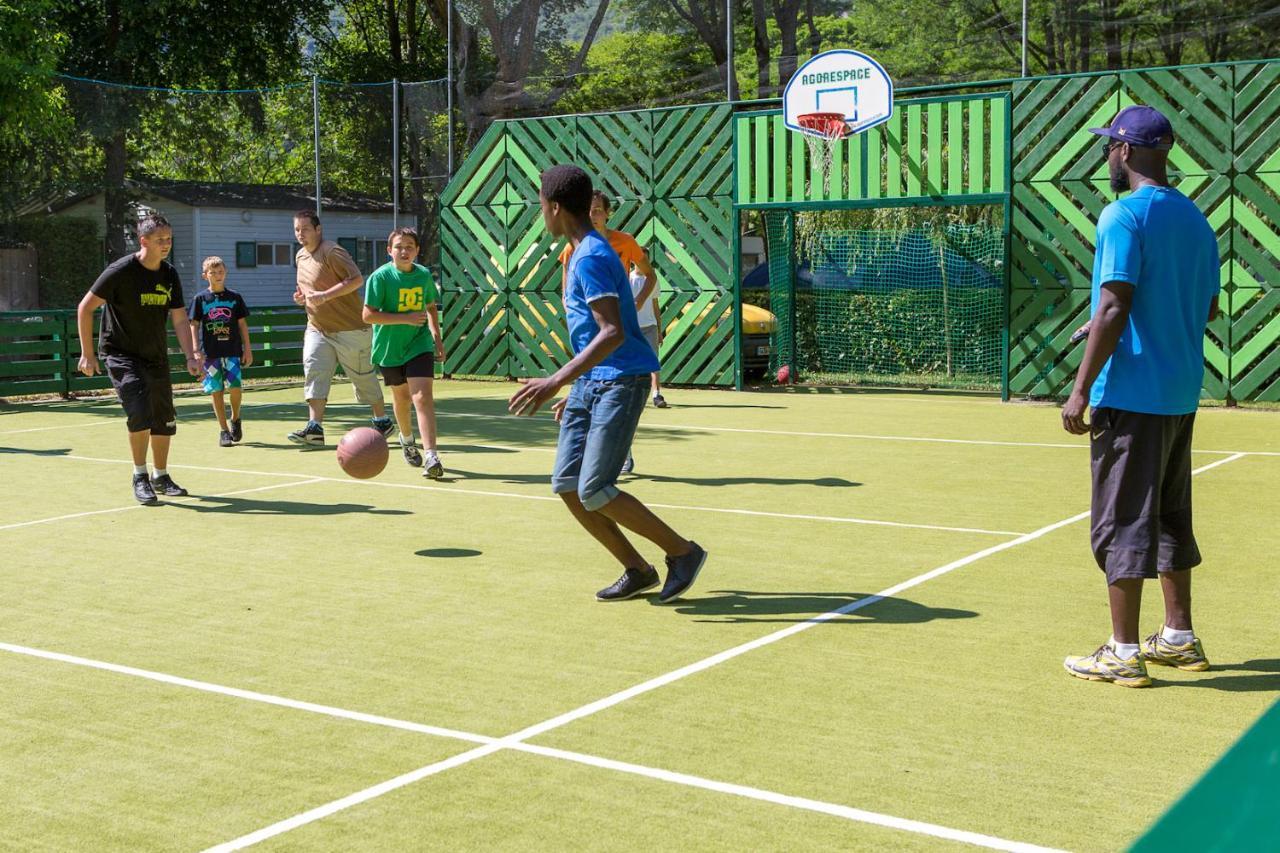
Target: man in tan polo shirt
{"points": [[328, 285]]}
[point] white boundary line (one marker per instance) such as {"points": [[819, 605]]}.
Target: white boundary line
{"points": [[861, 436], [515, 741], [134, 506], [652, 684], [518, 496]]}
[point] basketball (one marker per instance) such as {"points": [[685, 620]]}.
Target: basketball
{"points": [[362, 453], [784, 375]]}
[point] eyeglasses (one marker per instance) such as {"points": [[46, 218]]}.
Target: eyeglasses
{"points": [[1107, 146]]}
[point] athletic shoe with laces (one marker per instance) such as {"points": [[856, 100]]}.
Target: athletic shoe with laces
{"points": [[682, 571], [431, 467], [225, 439], [142, 490], [628, 465], [632, 583], [659, 401], [237, 432], [1106, 665], [1187, 656], [385, 426], [164, 485], [412, 455], [312, 433]]}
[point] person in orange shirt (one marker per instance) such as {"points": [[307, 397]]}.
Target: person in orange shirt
{"points": [[644, 287]]}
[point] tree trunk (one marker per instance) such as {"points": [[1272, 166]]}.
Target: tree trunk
{"points": [[115, 154], [788, 26], [760, 27]]}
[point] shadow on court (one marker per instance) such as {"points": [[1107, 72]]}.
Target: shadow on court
{"points": [[1263, 677], [545, 479], [448, 553], [26, 451], [828, 482], [736, 606], [251, 506]]}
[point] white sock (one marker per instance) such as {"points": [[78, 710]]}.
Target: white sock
{"points": [[1178, 638], [139, 469], [162, 472], [406, 440], [1124, 650]]}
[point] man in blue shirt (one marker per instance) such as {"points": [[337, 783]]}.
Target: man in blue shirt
{"points": [[610, 374], [1155, 287]]}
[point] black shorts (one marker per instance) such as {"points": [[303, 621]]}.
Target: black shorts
{"points": [[145, 392], [419, 367], [1141, 508]]}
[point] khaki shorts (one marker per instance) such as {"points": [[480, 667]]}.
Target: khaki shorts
{"points": [[322, 352], [651, 335]]}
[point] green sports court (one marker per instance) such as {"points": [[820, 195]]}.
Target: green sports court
{"points": [[870, 660]]}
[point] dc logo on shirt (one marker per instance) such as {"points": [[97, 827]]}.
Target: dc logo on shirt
{"points": [[410, 299]]}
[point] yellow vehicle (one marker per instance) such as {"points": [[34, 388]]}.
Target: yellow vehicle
{"points": [[758, 325]]}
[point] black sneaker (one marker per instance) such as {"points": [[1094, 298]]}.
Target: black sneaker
{"points": [[164, 485], [385, 426], [632, 583], [628, 465], [142, 490], [226, 439], [237, 432], [412, 455], [659, 401], [312, 433], [682, 572]]}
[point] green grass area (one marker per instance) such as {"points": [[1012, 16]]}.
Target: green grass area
{"points": [[467, 605]]}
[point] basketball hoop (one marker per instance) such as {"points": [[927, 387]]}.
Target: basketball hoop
{"points": [[823, 131]]}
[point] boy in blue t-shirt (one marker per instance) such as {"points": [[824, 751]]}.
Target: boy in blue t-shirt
{"points": [[217, 318], [610, 374]]}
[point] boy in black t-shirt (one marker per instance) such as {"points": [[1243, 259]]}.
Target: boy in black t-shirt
{"points": [[218, 319], [141, 291]]}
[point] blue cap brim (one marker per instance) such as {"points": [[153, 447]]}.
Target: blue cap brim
{"points": [[1108, 132]]}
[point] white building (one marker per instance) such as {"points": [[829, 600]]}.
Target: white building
{"points": [[249, 226]]}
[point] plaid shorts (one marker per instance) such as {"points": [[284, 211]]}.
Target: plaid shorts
{"points": [[221, 373]]}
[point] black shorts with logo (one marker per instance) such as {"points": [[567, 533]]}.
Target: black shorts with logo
{"points": [[422, 366], [1141, 508], [145, 392]]}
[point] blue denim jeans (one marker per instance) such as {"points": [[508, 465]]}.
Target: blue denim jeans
{"points": [[596, 429]]}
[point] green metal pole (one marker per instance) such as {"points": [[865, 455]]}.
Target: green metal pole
{"points": [[737, 300]]}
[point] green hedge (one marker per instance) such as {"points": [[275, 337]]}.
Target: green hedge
{"points": [[70, 255]]}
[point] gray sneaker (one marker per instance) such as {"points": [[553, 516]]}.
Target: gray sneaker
{"points": [[431, 467], [628, 465], [682, 571], [632, 583]]}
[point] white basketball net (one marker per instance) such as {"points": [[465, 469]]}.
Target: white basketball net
{"points": [[822, 141]]}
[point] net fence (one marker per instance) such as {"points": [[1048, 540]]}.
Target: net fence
{"points": [[901, 305]]}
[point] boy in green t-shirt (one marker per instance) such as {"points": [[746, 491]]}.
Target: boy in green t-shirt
{"points": [[400, 302]]}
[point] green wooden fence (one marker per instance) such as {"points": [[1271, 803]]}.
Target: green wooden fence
{"points": [[39, 351], [669, 172]]}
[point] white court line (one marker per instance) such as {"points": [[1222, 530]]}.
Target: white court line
{"points": [[518, 496], [251, 695], [652, 684], [116, 420], [134, 506], [832, 809], [861, 436]]}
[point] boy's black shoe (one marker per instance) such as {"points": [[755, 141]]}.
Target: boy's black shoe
{"points": [[632, 583], [412, 455], [164, 485], [142, 490], [225, 439], [682, 571], [628, 465], [312, 433], [237, 433], [385, 426]]}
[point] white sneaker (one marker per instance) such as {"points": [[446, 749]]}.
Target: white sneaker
{"points": [[431, 467]]}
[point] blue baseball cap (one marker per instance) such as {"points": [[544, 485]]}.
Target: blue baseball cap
{"points": [[1137, 125]]}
